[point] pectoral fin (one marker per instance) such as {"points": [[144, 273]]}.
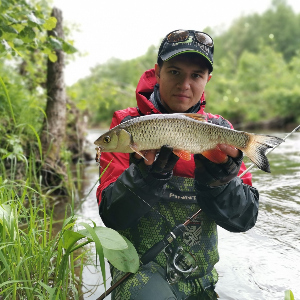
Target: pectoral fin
{"points": [[186, 155], [134, 149], [215, 155]]}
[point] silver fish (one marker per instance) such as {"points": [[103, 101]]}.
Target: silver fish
{"points": [[185, 133]]}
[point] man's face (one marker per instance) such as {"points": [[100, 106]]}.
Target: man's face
{"points": [[181, 82]]}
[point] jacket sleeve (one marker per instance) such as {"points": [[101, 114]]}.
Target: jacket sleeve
{"points": [[127, 199], [233, 206]]}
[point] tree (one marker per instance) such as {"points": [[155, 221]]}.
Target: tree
{"points": [[25, 42], [111, 86], [53, 133]]}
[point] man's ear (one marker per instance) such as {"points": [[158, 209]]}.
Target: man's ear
{"points": [[157, 72], [209, 77]]}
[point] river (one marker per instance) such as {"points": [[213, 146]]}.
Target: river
{"points": [[259, 264]]}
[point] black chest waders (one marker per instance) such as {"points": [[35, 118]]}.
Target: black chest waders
{"points": [[181, 263]]}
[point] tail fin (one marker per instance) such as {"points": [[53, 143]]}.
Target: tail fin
{"points": [[257, 147]]}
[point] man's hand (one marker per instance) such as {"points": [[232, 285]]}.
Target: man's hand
{"points": [[160, 167], [229, 150], [210, 174], [220, 154], [149, 155]]}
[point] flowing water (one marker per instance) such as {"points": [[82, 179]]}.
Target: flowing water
{"points": [[261, 263]]}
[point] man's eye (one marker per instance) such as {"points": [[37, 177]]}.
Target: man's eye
{"points": [[174, 72], [196, 75]]}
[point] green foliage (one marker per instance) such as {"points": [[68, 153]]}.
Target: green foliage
{"points": [[23, 28], [37, 264], [29, 254], [111, 86], [20, 121], [265, 86], [288, 295], [277, 28]]}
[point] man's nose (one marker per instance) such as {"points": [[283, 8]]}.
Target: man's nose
{"points": [[184, 83]]}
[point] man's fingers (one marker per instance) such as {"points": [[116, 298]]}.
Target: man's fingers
{"points": [[229, 150], [148, 154]]}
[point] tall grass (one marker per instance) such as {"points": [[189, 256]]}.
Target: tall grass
{"points": [[36, 262], [33, 262]]}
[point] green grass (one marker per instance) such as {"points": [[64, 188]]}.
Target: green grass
{"points": [[34, 263], [38, 262]]}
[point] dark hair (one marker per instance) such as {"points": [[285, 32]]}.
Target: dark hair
{"points": [[160, 62]]}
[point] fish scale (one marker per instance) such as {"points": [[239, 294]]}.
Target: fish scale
{"points": [[184, 132], [173, 132]]}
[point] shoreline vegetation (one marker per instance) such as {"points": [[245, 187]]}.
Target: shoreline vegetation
{"points": [[42, 256], [41, 142]]}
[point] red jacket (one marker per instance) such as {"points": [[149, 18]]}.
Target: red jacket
{"points": [[120, 162]]}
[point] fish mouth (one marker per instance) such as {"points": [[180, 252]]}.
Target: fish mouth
{"points": [[97, 142]]}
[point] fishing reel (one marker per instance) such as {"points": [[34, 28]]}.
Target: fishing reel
{"points": [[180, 264]]}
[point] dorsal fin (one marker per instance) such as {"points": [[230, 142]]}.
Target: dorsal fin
{"points": [[198, 117]]}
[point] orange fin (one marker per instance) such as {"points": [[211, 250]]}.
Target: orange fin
{"points": [[134, 149], [198, 117], [186, 155], [215, 155]]}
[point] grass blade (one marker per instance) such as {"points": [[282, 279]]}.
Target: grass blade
{"points": [[8, 99]]}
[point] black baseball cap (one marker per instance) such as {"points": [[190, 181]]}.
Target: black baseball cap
{"points": [[182, 41]]}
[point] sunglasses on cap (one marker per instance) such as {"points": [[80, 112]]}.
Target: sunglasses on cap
{"points": [[180, 35]]}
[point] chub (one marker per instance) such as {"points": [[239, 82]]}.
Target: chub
{"points": [[187, 134]]}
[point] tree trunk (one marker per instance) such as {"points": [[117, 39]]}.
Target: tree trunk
{"points": [[54, 128]]}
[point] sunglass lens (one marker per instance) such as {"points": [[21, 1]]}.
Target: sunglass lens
{"points": [[178, 36], [204, 39]]}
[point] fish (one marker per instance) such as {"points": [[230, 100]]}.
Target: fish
{"points": [[186, 133]]}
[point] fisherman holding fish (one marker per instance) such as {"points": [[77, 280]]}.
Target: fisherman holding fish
{"points": [[155, 181]]}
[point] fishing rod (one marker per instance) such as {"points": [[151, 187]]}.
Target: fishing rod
{"points": [[151, 253], [270, 150]]}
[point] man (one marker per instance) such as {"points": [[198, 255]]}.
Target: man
{"points": [[145, 198]]}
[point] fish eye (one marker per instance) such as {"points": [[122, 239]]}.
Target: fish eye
{"points": [[106, 139]]}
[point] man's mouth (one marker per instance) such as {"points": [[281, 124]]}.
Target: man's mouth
{"points": [[182, 96]]}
